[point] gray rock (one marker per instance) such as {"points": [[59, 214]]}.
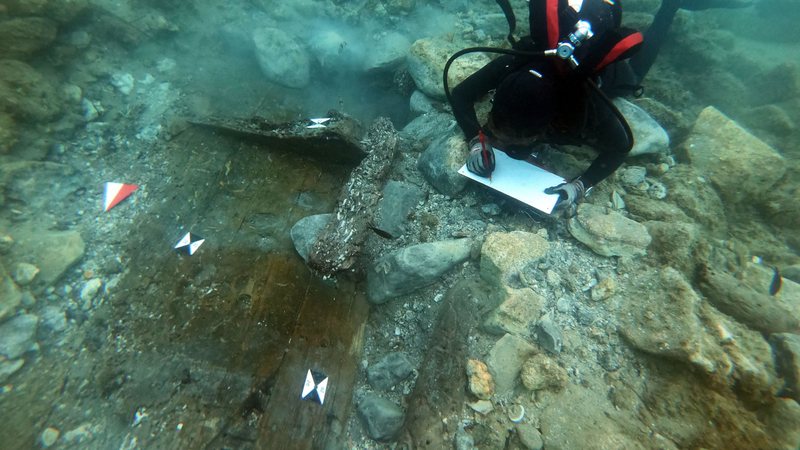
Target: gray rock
{"points": [[17, 335], [388, 53], [648, 136], [399, 199], [741, 166], [382, 418], [306, 231], [8, 368], [529, 436], [281, 58], [505, 362], [463, 440], [421, 103], [515, 314], [787, 354], [423, 130], [24, 273], [412, 268], [10, 295], [692, 193], [53, 320], [548, 335], [633, 175], [607, 232], [392, 369], [53, 252], [49, 437], [439, 164]]}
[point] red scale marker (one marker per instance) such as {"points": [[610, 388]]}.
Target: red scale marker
{"points": [[117, 192]]}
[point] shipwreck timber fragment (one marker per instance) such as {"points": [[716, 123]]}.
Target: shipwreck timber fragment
{"points": [[341, 239], [335, 140]]}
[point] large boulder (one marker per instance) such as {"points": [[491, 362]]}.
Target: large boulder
{"points": [[426, 60], [607, 232], [26, 94], [741, 166], [281, 58], [670, 320], [415, 267], [22, 37]]}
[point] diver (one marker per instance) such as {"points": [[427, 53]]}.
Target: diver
{"points": [[562, 95]]}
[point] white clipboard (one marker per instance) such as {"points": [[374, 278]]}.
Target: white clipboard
{"points": [[520, 180]]}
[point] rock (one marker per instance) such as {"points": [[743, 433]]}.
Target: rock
{"points": [[49, 437], [604, 289], [656, 190], [689, 190], [281, 58], [648, 136], [481, 406], [529, 436], [775, 84], [515, 314], [505, 361], [90, 290], [581, 418], [479, 380], [52, 251], [382, 418], [17, 335], [644, 208], [792, 273], [426, 59], [632, 176], [305, 232], [740, 165], [783, 421], [423, 130], [53, 320], [787, 355], [8, 133], [758, 310], [22, 37], [392, 369], [548, 335], [8, 368], [607, 232], [24, 273], [412, 268], [419, 103], [543, 372], [10, 295], [439, 164], [674, 244], [26, 94], [772, 119], [398, 201], [463, 440], [123, 82], [670, 320], [504, 255]]}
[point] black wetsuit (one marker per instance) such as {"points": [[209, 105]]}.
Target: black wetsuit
{"points": [[583, 116]]}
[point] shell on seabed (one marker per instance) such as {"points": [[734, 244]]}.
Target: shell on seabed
{"points": [[516, 413]]}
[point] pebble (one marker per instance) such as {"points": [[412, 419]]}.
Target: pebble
{"points": [[563, 305], [49, 436], [90, 110], [6, 242], [633, 175], [482, 406], [657, 190], [604, 289], [617, 201], [124, 82], [24, 273], [90, 290], [549, 336], [491, 209]]}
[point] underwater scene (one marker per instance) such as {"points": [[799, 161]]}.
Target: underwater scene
{"points": [[400, 224]]}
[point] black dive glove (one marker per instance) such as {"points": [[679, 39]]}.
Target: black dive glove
{"points": [[481, 156], [569, 193]]}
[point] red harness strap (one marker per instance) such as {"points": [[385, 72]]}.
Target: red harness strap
{"points": [[620, 48], [553, 30]]}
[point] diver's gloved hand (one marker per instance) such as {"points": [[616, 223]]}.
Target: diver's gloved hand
{"points": [[481, 156], [569, 193]]}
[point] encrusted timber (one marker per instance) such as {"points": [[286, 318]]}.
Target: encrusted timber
{"points": [[340, 241]]}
